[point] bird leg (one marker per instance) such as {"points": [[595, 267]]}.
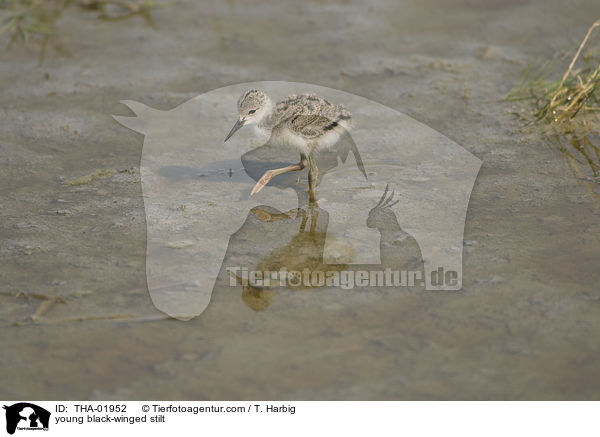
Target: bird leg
{"points": [[313, 174], [313, 208], [270, 174]]}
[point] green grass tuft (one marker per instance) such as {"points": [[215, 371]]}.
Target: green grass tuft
{"points": [[26, 20]]}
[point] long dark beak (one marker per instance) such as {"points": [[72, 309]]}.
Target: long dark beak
{"points": [[238, 124]]}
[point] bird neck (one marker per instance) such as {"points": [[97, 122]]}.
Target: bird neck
{"points": [[267, 121]]}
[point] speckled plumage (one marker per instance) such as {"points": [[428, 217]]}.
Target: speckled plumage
{"points": [[251, 100], [311, 116]]}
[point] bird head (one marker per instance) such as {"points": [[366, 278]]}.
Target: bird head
{"points": [[253, 106]]}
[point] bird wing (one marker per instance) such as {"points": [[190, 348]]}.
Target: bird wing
{"points": [[310, 116]]}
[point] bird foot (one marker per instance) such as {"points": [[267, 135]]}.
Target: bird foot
{"points": [[266, 178]]}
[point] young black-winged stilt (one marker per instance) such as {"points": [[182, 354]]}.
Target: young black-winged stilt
{"points": [[307, 122]]}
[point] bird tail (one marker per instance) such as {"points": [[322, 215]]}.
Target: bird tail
{"points": [[359, 162]]}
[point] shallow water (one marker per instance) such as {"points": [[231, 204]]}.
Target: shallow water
{"points": [[524, 326]]}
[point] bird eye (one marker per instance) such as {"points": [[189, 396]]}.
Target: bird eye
{"points": [[252, 111]]}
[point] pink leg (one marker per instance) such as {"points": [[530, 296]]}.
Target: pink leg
{"points": [[270, 174]]}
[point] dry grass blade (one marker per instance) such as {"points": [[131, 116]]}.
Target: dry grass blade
{"points": [[568, 109], [581, 46], [562, 100], [575, 91]]}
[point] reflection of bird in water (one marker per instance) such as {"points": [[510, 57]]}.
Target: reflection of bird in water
{"points": [[307, 122], [397, 247], [293, 251]]}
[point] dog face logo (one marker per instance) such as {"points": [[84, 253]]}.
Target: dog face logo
{"points": [[197, 190], [26, 416]]}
